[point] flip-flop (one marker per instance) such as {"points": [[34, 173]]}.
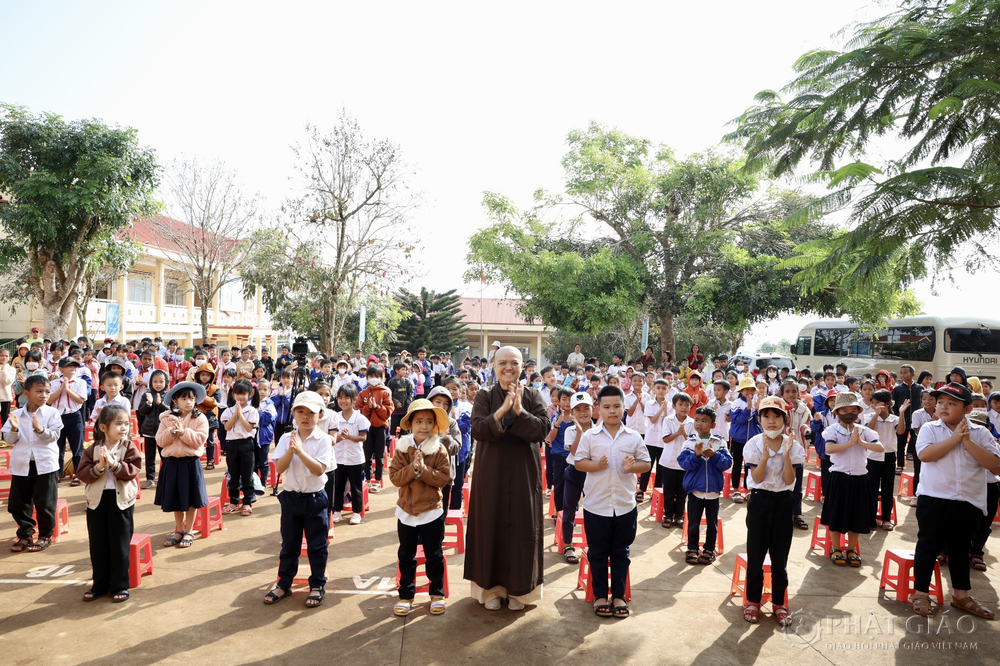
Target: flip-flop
{"points": [[90, 595]]}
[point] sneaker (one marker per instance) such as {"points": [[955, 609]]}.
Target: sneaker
{"points": [[336, 516], [374, 487], [148, 483], [493, 604], [514, 605], [356, 519]]}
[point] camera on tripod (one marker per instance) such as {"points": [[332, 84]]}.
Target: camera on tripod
{"points": [[300, 347]]}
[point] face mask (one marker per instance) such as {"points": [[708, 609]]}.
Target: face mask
{"points": [[847, 417], [739, 368], [31, 365], [774, 434], [375, 381], [772, 375], [341, 371], [538, 385]]}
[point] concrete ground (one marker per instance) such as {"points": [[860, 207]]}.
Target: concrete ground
{"points": [[204, 605]]}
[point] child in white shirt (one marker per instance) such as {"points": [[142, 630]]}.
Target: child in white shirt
{"points": [[720, 405], [352, 431], [240, 422], [882, 464], [675, 430]]}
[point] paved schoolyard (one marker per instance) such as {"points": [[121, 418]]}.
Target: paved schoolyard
{"points": [[204, 605]]}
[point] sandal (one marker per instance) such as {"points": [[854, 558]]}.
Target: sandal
{"points": [[738, 497], [40, 545], [853, 559], [888, 525], [942, 558], [602, 608], [186, 540], [246, 510], [837, 556], [978, 564], [621, 612], [316, 596], [571, 557], [74, 482], [921, 602], [751, 612], [21, 544], [782, 615], [119, 597], [640, 498], [691, 557], [230, 508], [210, 466], [172, 540], [272, 597], [799, 523], [707, 557], [91, 595], [970, 605], [667, 523], [402, 608], [438, 605]]}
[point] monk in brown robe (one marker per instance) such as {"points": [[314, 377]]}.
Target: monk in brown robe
{"points": [[503, 556]]}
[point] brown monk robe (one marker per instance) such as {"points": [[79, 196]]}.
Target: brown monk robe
{"points": [[503, 555]]}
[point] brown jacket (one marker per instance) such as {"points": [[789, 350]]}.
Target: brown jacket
{"points": [[423, 493], [128, 462]]}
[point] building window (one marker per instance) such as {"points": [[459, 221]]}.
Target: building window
{"points": [[231, 296], [173, 294], [140, 290], [109, 292]]}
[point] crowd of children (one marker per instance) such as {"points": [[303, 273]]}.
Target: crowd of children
{"points": [[614, 428]]}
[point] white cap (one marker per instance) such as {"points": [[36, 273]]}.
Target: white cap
{"points": [[310, 400], [496, 343], [581, 399]]}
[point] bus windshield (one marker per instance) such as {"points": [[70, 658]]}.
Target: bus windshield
{"points": [[979, 340]]}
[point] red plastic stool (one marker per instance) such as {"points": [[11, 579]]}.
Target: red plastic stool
{"points": [[740, 579], [656, 504], [224, 494], [905, 481], [62, 519], [814, 486], [652, 479], [466, 493], [422, 562], [545, 485], [273, 478], [5, 457], [579, 533], [455, 539], [216, 457], [552, 504], [88, 433], [719, 542], [364, 501], [304, 555], [810, 454], [5, 475], [140, 443], [902, 580], [821, 538], [727, 483], [585, 582], [140, 559], [134, 420], [204, 520]]}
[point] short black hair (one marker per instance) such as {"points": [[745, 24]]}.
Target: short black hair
{"points": [[883, 396], [566, 392], [705, 411], [35, 379], [347, 390], [723, 383], [681, 397], [610, 392], [397, 366]]}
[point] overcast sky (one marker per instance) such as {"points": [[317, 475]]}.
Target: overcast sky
{"points": [[480, 96]]}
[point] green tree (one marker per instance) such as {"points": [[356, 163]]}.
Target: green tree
{"points": [[382, 319], [435, 322], [928, 76], [73, 187]]}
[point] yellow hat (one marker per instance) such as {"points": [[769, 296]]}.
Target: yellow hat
{"points": [[746, 383], [425, 405]]}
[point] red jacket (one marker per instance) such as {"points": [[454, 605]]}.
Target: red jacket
{"points": [[375, 404]]}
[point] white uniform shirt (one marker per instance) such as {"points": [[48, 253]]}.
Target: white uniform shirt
{"points": [[673, 449], [886, 429], [721, 428], [653, 430], [103, 402], [610, 491], [66, 404], [956, 475], [29, 445], [854, 460], [774, 474], [919, 419], [346, 451], [637, 421], [239, 431], [298, 478]]}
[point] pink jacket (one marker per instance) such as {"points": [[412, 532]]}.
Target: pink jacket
{"points": [[189, 443]]}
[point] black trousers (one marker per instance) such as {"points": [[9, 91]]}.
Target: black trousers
{"points": [[797, 492], [457, 485], [309, 514], [673, 492], [769, 531], [881, 479], [210, 445], [907, 443], [280, 429], [260, 453], [736, 449], [573, 480], [151, 448], [824, 474], [610, 539], [944, 523], [654, 456], [429, 535], [241, 459], [343, 474], [557, 464], [548, 465], [110, 531], [72, 436], [986, 522], [222, 435], [36, 493], [710, 508], [375, 446], [4, 411], [394, 424]]}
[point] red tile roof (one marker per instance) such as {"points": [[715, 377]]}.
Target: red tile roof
{"points": [[149, 231], [502, 311]]}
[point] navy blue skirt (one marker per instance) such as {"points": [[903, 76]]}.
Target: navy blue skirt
{"points": [[181, 485], [847, 504]]}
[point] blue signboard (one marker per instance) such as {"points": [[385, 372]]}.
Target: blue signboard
{"points": [[114, 320]]}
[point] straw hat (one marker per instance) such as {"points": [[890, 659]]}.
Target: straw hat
{"points": [[425, 405], [846, 399]]}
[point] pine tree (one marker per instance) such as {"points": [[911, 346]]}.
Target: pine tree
{"points": [[436, 323]]}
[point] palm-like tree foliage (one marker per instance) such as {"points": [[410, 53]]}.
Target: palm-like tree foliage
{"points": [[436, 322]]}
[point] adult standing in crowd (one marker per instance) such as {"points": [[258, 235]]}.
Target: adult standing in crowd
{"points": [[695, 358], [906, 389], [576, 358], [503, 556], [646, 359], [666, 360]]}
